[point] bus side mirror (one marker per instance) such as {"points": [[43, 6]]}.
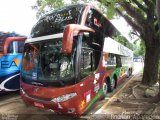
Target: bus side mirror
{"points": [[68, 35], [9, 40]]}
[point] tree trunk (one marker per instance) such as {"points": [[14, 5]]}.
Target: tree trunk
{"points": [[150, 74], [159, 78], [158, 9], [156, 99], [158, 16]]}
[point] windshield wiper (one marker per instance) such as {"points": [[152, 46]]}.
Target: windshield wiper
{"points": [[54, 83], [37, 84]]}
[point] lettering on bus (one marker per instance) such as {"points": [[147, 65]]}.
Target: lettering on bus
{"points": [[63, 17], [7, 64], [58, 18]]}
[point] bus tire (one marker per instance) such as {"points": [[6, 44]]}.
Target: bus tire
{"points": [[129, 73], [112, 85], [105, 89]]}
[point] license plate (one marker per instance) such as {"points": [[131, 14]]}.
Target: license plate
{"points": [[38, 105]]}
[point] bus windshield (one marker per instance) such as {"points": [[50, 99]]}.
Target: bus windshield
{"points": [[1, 45], [45, 63], [56, 21], [3, 36]]}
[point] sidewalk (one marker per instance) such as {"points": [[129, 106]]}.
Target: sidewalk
{"points": [[129, 102]]}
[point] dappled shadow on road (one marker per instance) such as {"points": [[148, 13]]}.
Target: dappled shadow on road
{"points": [[131, 103], [48, 117], [13, 106], [5, 95], [38, 117]]}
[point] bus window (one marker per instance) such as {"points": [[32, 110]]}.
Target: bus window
{"points": [[44, 61], [30, 57], [118, 61], [1, 45], [55, 22], [97, 44], [90, 55], [94, 20], [86, 67], [20, 46], [111, 60], [125, 60], [89, 21], [86, 63], [54, 64], [10, 48], [3, 36]]}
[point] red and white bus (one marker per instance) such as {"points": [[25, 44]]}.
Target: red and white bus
{"points": [[73, 58]]}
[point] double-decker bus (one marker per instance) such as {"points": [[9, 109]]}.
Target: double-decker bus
{"points": [[11, 48], [73, 58]]}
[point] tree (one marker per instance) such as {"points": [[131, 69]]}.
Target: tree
{"points": [[139, 48], [158, 11], [141, 15], [158, 16], [43, 6]]}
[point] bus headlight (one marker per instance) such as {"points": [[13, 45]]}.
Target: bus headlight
{"points": [[64, 97]]}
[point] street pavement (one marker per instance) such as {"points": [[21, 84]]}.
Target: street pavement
{"points": [[12, 107]]}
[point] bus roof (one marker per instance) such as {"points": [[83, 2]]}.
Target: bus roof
{"points": [[55, 21], [112, 46]]}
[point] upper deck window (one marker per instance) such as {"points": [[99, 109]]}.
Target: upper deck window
{"points": [[3, 36], [56, 21], [95, 20]]}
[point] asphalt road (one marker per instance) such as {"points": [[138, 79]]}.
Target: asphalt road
{"points": [[13, 108]]}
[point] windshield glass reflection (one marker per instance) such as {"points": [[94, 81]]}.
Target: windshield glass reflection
{"points": [[44, 61]]}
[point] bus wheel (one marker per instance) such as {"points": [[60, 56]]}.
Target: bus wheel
{"points": [[112, 85], [105, 90], [128, 73]]}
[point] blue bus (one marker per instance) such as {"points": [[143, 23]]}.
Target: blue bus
{"points": [[11, 48]]}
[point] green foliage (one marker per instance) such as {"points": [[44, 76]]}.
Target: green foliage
{"points": [[43, 6], [110, 11], [139, 48], [109, 8]]}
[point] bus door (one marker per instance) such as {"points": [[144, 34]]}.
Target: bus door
{"points": [[10, 64], [86, 63], [87, 70], [120, 68]]}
